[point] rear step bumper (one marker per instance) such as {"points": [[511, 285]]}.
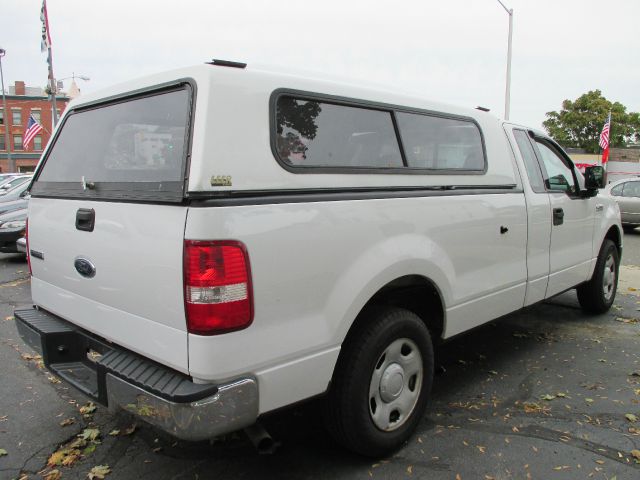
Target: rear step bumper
{"points": [[118, 378]]}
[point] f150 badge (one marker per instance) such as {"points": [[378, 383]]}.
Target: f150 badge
{"points": [[84, 267]]}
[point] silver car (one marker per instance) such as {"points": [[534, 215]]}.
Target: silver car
{"points": [[627, 193]]}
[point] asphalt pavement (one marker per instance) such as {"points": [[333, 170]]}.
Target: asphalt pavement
{"points": [[544, 393]]}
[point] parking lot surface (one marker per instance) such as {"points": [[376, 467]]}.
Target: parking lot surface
{"points": [[545, 393]]}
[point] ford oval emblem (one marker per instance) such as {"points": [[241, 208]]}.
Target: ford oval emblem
{"points": [[84, 267]]}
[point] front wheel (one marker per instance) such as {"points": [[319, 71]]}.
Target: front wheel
{"points": [[597, 295], [381, 383]]}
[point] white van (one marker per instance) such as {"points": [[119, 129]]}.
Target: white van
{"points": [[213, 243]]}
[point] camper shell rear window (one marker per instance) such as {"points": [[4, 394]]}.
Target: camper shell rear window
{"points": [[318, 134], [131, 148]]}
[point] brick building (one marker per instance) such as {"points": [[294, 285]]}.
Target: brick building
{"points": [[23, 101]]}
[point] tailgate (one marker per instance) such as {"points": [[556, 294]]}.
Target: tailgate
{"points": [[106, 223]]}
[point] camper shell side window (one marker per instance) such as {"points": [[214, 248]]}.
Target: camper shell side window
{"points": [[312, 133]]}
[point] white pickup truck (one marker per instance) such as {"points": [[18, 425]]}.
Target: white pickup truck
{"points": [[213, 243]]}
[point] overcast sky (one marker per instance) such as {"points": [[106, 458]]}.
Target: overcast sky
{"points": [[447, 50]]}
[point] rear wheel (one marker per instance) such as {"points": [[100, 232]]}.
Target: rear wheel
{"points": [[597, 295], [381, 383]]}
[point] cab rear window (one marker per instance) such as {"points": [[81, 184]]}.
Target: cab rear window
{"points": [[130, 149]]}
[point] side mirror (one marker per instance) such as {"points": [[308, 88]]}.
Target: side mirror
{"points": [[595, 177]]}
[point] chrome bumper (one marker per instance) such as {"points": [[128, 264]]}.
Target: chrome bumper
{"points": [[232, 408], [21, 245]]}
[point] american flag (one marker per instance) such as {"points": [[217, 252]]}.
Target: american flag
{"points": [[604, 135], [33, 128]]}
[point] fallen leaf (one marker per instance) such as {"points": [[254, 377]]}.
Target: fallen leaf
{"points": [[548, 397], [89, 450], [635, 454], [99, 472], [114, 433], [8, 319], [3, 452], [67, 422], [588, 400], [600, 462], [88, 409], [409, 469], [90, 434], [130, 430], [631, 417], [53, 475]]}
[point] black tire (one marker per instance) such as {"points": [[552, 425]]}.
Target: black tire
{"points": [[597, 295], [629, 228], [348, 408]]}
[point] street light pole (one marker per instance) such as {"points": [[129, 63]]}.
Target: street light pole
{"points": [[507, 93], [11, 163]]}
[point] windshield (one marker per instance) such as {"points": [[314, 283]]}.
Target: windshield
{"points": [[133, 149]]}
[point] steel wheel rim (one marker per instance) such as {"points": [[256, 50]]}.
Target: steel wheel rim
{"points": [[395, 384], [609, 277]]}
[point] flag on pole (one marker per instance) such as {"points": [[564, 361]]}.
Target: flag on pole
{"points": [[45, 42], [604, 139], [33, 128]]}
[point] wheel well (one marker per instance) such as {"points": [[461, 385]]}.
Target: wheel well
{"points": [[416, 294], [614, 235]]}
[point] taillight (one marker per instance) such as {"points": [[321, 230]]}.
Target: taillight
{"points": [[26, 238], [217, 286]]}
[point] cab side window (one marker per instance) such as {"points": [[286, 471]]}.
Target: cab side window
{"points": [[559, 175], [530, 162]]}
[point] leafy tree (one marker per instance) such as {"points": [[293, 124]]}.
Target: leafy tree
{"points": [[580, 122]]}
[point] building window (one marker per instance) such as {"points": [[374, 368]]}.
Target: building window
{"points": [[2, 144], [37, 142], [16, 117], [17, 142], [1, 116], [36, 115]]}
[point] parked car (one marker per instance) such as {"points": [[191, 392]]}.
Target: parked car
{"points": [[6, 176], [278, 237], [13, 182], [21, 203], [18, 192], [12, 227], [626, 193]]}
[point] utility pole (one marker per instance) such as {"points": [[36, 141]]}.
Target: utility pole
{"points": [[11, 162], [507, 93]]}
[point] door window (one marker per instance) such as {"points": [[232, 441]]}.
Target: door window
{"points": [[559, 175], [631, 189], [617, 190]]}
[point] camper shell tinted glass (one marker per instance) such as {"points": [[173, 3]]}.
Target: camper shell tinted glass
{"points": [[323, 134], [127, 149]]}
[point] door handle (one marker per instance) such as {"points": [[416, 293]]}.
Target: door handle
{"points": [[599, 207], [558, 216]]}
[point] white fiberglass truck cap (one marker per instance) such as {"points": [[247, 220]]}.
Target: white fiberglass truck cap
{"points": [[213, 243]]}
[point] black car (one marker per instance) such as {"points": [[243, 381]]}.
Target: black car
{"points": [[13, 205], [12, 227]]}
